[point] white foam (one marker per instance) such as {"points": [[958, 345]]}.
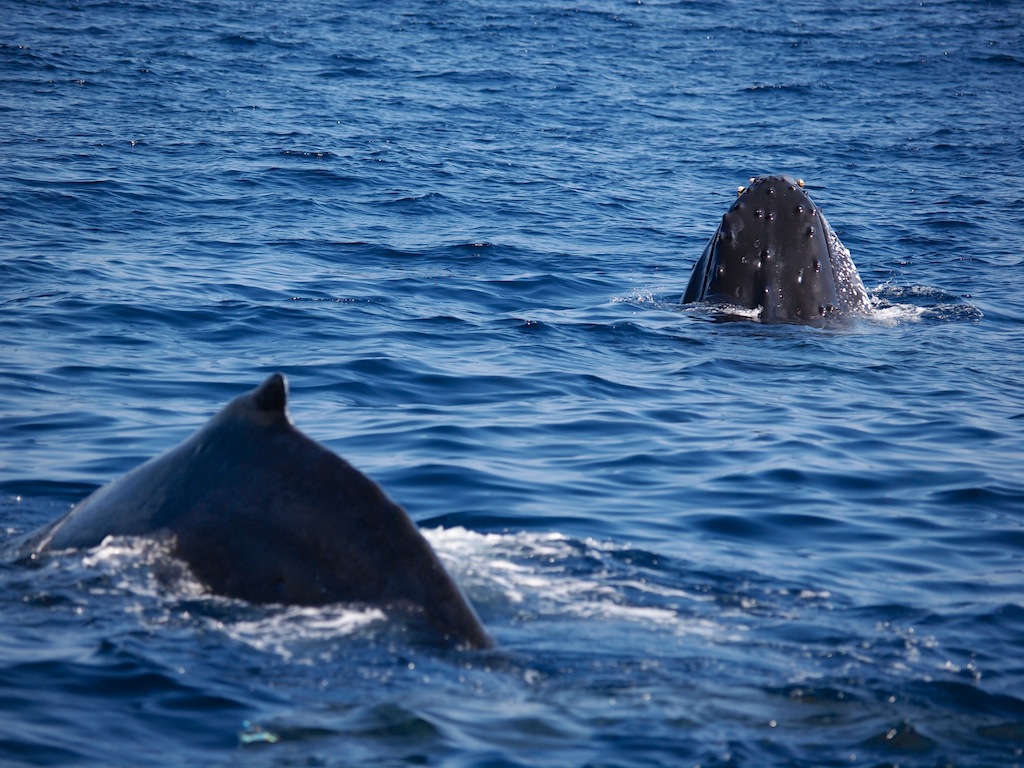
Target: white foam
{"points": [[142, 566], [647, 297], [847, 279], [894, 304], [285, 629], [895, 314], [145, 568], [549, 574], [532, 576]]}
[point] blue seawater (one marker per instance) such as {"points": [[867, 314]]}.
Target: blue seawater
{"points": [[462, 230]]}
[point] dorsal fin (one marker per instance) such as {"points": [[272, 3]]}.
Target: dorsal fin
{"points": [[272, 395]]}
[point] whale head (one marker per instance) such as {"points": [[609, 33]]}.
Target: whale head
{"points": [[775, 252]]}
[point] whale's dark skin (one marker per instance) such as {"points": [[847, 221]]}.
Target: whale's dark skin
{"points": [[775, 251], [261, 512]]}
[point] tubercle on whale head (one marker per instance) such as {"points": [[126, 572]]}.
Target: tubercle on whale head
{"points": [[741, 189]]}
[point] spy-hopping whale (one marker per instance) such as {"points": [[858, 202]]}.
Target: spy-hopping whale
{"points": [[261, 512], [774, 251]]}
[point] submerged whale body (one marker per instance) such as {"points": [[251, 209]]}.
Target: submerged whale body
{"points": [[261, 512], [775, 252]]}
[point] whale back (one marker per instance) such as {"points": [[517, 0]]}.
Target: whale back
{"points": [[261, 512]]}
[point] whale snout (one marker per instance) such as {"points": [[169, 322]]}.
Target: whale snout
{"points": [[775, 252]]}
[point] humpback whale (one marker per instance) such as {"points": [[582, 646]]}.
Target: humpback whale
{"points": [[259, 511], [774, 251]]}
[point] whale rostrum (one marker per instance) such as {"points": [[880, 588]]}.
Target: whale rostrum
{"points": [[775, 251]]}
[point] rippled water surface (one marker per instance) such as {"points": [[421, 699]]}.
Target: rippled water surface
{"points": [[462, 231]]}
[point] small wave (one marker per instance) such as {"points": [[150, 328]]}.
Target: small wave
{"points": [[310, 154], [894, 304], [789, 87], [916, 293]]}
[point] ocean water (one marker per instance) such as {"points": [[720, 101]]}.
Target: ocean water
{"points": [[462, 231]]}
